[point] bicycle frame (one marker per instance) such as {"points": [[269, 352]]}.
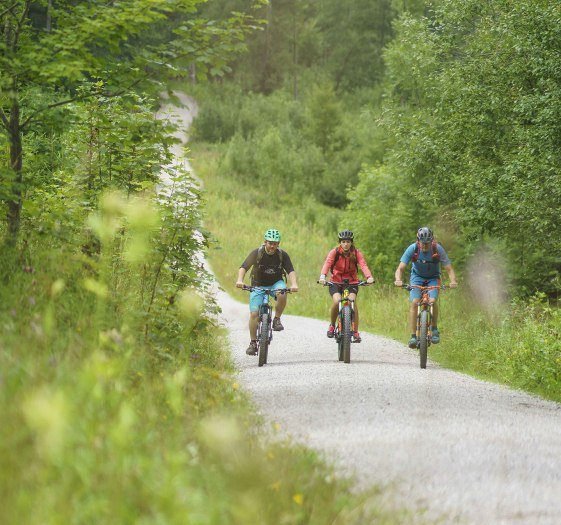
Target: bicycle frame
{"points": [[342, 335], [265, 318], [424, 319], [344, 301], [425, 304]]}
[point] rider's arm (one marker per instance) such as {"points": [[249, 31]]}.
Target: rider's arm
{"points": [[293, 281], [241, 274], [451, 276], [250, 260], [399, 273], [327, 264], [361, 261], [403, 262]]}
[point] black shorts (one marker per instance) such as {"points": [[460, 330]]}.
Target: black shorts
{"points": [[338, 288]]}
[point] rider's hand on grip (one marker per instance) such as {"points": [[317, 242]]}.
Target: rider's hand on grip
{"points": [[398, 283], [239, 284], [370, 280]]}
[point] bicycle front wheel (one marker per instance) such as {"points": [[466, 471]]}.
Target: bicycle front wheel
{"points": [[346, 327], [424, 337], [264, 337]]}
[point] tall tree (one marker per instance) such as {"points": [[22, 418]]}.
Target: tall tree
{"points": [[474, 95], [54, 46]]}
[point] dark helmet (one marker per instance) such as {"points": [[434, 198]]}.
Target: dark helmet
{"points": [[346, 235], [424, 234]]}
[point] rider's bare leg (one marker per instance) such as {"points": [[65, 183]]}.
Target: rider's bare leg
{"points": [[413, 315], [434, 312], [352, 297], [281, 303], [335, 307], [253, 319]]}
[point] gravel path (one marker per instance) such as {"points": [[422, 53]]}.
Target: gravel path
{"points": [[448, 446]]}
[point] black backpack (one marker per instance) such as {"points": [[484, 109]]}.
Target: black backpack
{"points": [[260, 253]]}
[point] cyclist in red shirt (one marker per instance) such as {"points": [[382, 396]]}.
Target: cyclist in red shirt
{"points": [[343, 263]]}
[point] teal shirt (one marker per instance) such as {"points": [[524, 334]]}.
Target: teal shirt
{"points": [[424, 266]]}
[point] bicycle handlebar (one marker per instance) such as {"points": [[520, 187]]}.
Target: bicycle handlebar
{"points": [[266, 290], [359, 283], [410, 287]]}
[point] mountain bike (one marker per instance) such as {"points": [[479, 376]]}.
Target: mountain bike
{"points": [[265, 319], [345, 326], [424, 319]]}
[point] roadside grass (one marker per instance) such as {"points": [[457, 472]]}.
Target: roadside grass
{"points": [[518, 346], [103, 424]]}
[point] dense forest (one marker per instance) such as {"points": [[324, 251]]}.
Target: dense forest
{"points": [[395, 113], [406, 114]]}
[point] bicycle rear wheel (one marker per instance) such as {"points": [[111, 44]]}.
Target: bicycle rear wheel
{"points": [[346, 325], [424, 337], [264, 337]]}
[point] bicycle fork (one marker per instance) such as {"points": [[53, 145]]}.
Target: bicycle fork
{"points": [[340, 319], [428, 308], [266, 309]]}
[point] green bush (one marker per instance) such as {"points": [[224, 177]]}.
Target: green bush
{"points": [[289, 145]]}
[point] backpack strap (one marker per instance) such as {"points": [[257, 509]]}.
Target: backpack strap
{"points": [[435, 254], [260, 253], [337, 255]]}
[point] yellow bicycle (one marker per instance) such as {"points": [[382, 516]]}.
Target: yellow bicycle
{"points": [[345, 326]]}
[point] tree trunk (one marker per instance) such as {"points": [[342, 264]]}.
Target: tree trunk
{"points": [[16, 150]]}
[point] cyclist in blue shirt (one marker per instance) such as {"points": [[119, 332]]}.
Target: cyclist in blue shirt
{"points": [[426, 256]]}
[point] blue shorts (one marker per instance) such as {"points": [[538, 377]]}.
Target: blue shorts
{"points": [[423, 281], [256, 297]]}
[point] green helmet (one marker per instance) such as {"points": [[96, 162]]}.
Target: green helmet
{"points": [[272, 235]]}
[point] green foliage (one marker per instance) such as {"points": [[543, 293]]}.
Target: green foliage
{"points": [[353, 38], [49, 56], [118, 401], [384, 218], [515, 344], [304, 42], [291, 146], [484, 334], [473, 96]]}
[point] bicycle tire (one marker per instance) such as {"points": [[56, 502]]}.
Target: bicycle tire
{"points": [[264, 338], [346, 323], [424, 337], [339, 343]]}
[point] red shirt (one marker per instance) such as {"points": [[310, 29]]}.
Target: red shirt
{"points": [[345, 268]]}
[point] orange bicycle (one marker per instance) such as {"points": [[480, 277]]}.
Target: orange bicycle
{"points": [[424, 319]]}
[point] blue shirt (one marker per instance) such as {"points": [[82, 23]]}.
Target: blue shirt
{"points": [[424, 266]]}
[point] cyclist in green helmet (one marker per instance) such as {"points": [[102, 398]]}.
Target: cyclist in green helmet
{"points": [[270, 264]]}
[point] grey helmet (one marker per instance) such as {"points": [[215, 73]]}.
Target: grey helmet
{"points": [[425, 234]]}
